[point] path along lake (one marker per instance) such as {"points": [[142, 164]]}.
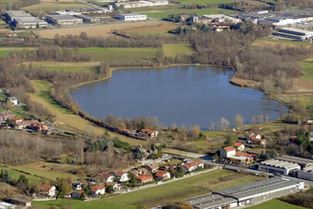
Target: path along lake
{"points": [[175, 95]]}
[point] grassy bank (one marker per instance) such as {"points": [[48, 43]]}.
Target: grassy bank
{"points": [[178, 190], [276, 204]]}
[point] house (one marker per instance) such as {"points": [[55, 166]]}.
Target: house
{"points": [[143, 179], [239, 146], [254, 138], [122, 176], [311, 136], [152, 168], [116, 186], [77, 186], [106, 177], [5, 116], [193, 165], [97, 189], [148, 133], [162, 175], [47, 190], [76, 194], [228, 151], [140, 171], [13, 101]]}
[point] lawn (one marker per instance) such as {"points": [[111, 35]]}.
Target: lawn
{"points": [[178, 190], [307, 67], [120, 56], [174, 50], [275, 204], [205, 2], [67, 119]]}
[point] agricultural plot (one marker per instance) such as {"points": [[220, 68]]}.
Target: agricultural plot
{"points": [[174, 191], [174, 50], [210, 2], [66, 66], [15, 174], [4, 52]]}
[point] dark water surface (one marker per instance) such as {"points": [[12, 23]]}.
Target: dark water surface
{"points": [[176, 95]]}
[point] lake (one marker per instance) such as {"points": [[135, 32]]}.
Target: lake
{"points": [[176, 95]]}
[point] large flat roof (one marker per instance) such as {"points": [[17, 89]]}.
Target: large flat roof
{"points": [[210, 200], [63, 17], [258, 187], [280, 164], [12, 13], [299, 160]]}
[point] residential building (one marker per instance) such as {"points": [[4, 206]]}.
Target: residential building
{"points": [[97, 189], [152, 167], [278, 167], [143, 179], [77, 186], [13, 101], [47, 190], [254, 138], [106, 177], [239, 146], [162, 175], [148, 133], [63, 20], [122, 176], [228, 152], [249, 194], [131, 17], [311, 136], [233, 155], [192, 165], [116, 186]]}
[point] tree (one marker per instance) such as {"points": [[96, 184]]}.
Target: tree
{"points": [[239, 120], [224, 123], [4, 176], [64, 187], [22, 184]]}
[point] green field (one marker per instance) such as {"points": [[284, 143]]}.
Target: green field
{"points": [[46, 7], [67, 66], [210, 2], [263, 42], [173, 50], [307, 67], [15, 174], [4, 52], [164, 12], [276, 204], [174, 191]]}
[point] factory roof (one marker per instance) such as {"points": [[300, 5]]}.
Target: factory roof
{"points": [[210, 200], [280, 164], [62, 17], [12, 13], [293, 159]]}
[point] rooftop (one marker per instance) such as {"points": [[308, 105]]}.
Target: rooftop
{"points": [[210, 200], [280, 164], [299, 160], [62, 17]]}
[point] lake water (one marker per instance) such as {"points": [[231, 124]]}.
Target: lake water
{"points": [[176, 95]]}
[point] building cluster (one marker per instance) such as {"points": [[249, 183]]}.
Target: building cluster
{"points": [[278, 18], [235, 154], [250, 194], [294, 34], [23, 20], [117, 181], [141, 3], [289, 165]]}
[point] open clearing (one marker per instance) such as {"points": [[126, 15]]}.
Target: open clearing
{"points": [[66, 118], [276, 204], [4, 52], [178, 190], [15, 174], [173, 50], [210, 2], [66, 66], [106, 30]]}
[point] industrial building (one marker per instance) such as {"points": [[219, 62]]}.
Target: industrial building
{"points": [[306, 174], [279, 18], [87, 19], [303, 162], [131, 17], [294, 34], [63, 20], [23, 20], [248, 194], [278, 167], [142, 3]]}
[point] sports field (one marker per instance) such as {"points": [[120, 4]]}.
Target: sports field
{"points": [[178, 190]]}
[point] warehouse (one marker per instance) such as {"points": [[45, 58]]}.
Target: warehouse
{"points": [[23, 20], [306, 174], [63, 20], [132, 17], [278, 167], [303, 162], [248, 194], [87, 19], [142, 3]]}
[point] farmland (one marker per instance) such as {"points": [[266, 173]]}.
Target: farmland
{"points": [[173, 50], [107, 29], [173, 191], [276, 204]]}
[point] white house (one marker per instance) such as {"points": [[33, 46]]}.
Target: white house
{"points": [[162, 175], [52, 192], [13, 101], [97, 189], [123, 176], [239, 146], [193, 165], [228, 152]]}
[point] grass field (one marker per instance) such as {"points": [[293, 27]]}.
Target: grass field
{"points": [[14, 174], [122, 56], [105, 30], [48, 170], [4, 52], [47, 7], [275, 204], [66, 66], [174, 191], [210, 2], [173, 50], [67, 119], [262, 42]]}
